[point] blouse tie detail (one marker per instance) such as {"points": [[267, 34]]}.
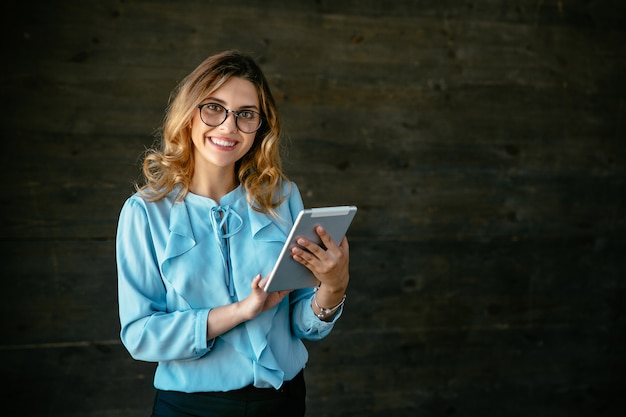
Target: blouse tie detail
{"points": [[226, 223]]}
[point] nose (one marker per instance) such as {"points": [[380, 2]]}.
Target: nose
{"points": [[230, 124]]}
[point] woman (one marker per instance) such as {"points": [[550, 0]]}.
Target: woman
{"points": [[196, 241]]}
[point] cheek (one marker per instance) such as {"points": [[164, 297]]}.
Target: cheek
{"points": [[249, 143], [196, 131]]}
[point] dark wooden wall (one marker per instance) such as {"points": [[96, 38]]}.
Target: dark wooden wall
{"points": [[483, 142]]}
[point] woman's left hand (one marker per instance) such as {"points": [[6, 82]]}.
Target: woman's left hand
{"points": [[330, 266]]}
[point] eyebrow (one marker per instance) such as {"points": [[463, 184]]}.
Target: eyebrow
{"points": [[222, 102]]}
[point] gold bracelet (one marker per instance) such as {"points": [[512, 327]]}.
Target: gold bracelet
{"points": [[325, 312]]}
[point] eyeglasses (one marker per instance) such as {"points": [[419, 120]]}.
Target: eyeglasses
{"points": [[212, 114]]}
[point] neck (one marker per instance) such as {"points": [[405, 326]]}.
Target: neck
{"points": [[213, 185]]}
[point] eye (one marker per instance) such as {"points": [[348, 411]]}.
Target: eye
{"points": [[246, 114], [214, 108]]}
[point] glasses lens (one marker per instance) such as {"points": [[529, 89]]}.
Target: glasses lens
{"points": [[213, 114], [248, 121]]}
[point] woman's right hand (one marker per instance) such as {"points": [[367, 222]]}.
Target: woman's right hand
{"points": [[224, 318], [259, 301]]}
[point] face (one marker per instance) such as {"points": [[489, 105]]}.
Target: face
{"points": [[217, 149]]}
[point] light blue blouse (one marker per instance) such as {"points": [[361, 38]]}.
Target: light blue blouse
{"points": [[178, 260]]}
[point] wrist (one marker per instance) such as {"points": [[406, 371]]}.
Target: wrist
{"points": [[321, 310], [241, 312], [331, 291]]}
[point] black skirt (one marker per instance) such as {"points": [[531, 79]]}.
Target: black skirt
{"points": [[287, 401]]}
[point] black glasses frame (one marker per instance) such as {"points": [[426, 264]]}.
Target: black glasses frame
{"points": [[227, 112]]}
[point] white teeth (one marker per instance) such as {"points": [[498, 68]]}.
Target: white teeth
{"points": [[222, 142]]}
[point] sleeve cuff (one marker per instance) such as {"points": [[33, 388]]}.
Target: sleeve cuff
{"points": [[315, 325], [202, 344]]}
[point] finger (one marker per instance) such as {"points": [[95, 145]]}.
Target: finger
{"points": [[283, 294], [326, 239], [310, 246], [302, 256], [256, 282], [275, 298]]}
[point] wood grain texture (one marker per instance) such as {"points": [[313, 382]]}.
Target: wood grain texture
{"points": [[483, 143]]}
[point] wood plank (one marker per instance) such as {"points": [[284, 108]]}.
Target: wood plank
{"points": [[98, 379]]}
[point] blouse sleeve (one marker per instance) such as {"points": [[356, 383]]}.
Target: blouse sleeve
{"points": [[148, 331]]}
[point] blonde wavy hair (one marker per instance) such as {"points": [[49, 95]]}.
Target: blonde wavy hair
{"points": [[171, 164]]}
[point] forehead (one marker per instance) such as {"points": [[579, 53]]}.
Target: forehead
{"points": [[236, 91]]}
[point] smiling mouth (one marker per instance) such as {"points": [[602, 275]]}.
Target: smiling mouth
{"points": [[222, 142]]}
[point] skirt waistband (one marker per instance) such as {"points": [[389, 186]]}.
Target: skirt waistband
{"points": [[252, 393]]}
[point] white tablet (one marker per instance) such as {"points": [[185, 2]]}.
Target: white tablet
{"points": [[288, 274]]}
